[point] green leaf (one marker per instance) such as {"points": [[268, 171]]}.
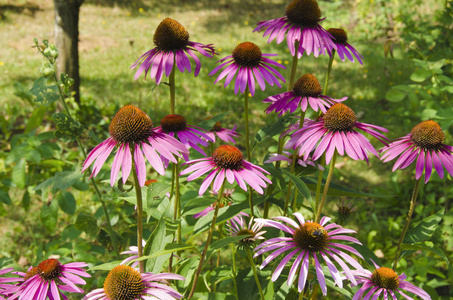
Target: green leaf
{"points": [[426, 246], [36, 118], [273, 129], [26, 200], [208, 124], [300, 185], [169, 248], [67, 128], [395, 95], [87, 223], [61, 181], [18, 174], [4, 197], [217, 245], [156, 242], [105, 267], [44, 94], [420, 75], [49, 215], [67, 202], [367, 254], [339, 190], [196, 205]]}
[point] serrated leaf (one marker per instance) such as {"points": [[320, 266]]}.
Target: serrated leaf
{"points": [[67, 202], [61, 181], [208, 124], [67, 127], [49, 215], [87, 223], [426, 246], [44, 94], [420, 75], [18, 174]]}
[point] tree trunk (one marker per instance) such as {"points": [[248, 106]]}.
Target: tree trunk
{"points": [[67, 40]]}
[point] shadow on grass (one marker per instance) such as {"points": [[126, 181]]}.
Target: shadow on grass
{"points": [[29, 8]]}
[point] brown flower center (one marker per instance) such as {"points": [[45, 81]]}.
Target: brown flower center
{"points": [[228, 157], [428, 135], [170, 36], [385, 278], [247, 54], [311, 236], [123, 283], [305, 13], [341, 37], [307, 86], [173, 123], [130, 124], [339, 117], [49, 269], [33, 271]]}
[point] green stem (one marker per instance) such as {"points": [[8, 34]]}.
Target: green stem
{"points": [[208, 242], [293, 68], [318, 185], [255, 273], [138, 194], [177, 201], [326, 187], [408, 220], [220, 228], [329, 68], [247, 140], [233, 255], [171, 80], [96, 189]]}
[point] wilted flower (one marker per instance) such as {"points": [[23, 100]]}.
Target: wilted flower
{"points": [[310, 240], [227, 162], [385, 282], [424, 143], [249, 63], [343, 47], [226, 135], [49, 278], [336, 131], [126, 283], [172, 47], [132, 128], [300, 23], [306, 90]]}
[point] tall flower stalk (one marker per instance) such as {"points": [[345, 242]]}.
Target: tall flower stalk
{"points": [[139, 201]]}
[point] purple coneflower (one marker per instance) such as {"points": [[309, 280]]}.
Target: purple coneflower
{"points": [[49, 278], [226, 135], [343, 47], [336, 131], [226, 200], [385, 282], [306, 90], [132, 128], [227, 162], [238, 226], [172, 47], [249, 63], [310, 240], [190, 136], [126, 283], [133, 250], [7, 289], [288, 157], [424, 143], [300, 24]]}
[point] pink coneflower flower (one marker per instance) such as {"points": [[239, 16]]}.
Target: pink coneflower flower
{"points": [[133, 250], [343, 47], [132, 129], [310, 240], [126, 283], [190, 136], [49, 278], [336, 131], [238, 226], [385, 282], [172, 47], [306, 90], [288, 157], [226, 200], [301, 23], [226, 135], [424, 143], [249, 63], [7, 289], [227, 162]]}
